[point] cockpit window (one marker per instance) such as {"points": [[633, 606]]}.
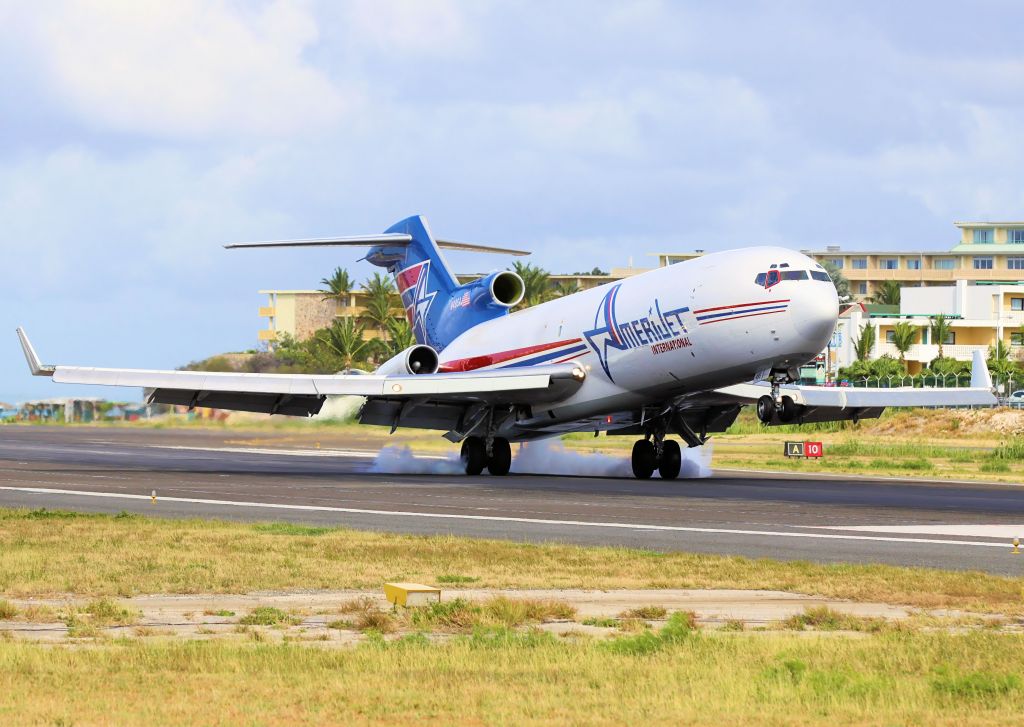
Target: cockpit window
{"points": [[794, 275], [779, 275], [821, 276]]}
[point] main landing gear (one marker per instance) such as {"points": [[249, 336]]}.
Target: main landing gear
{"points": [[647, 458], [476, 455]]}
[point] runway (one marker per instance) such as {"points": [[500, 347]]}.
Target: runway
{"points": [[267, 476]]}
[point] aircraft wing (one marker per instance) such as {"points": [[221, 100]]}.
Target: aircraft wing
{"points": [[304, 394], [819, 403]]}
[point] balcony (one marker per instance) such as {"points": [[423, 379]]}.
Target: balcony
{"points": [[925, 353], [267, 334], [268, 311]]}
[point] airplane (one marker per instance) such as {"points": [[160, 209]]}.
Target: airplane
{"points": [[674, 351]]}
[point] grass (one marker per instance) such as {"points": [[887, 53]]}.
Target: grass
{"points": [[498, 676], [8, 611], [645, 612], [100, 556], [823, 618], [268, 616]]}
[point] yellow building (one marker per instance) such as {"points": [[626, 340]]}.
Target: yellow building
{"points": [[988, 252]]}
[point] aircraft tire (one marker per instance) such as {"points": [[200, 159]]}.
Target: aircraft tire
{"points": [[644, 460], [789, 410], [765, 409], [473, 455], [500, 461], [671, 460]]}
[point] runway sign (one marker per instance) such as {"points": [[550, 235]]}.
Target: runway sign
{"points": [[803, 449]]}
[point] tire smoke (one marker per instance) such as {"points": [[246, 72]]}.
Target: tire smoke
{"points": [[400, 460], [550, 457]]}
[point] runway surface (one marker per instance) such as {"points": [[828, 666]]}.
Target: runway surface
{"points": [[266, 476]]}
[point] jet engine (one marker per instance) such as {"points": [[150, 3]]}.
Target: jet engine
{"points": [[418, 359]]}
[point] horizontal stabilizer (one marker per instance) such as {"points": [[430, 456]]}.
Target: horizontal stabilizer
{"points": [[394, 239]]}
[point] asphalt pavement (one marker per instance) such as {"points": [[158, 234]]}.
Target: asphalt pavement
{"points": [[271, 477]]}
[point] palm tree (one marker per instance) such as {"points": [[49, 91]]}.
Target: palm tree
{"points": [[941, 328], [1000, 364], [903, 335], [400, 336], [888, 293], [865, 342], [564, 288], [345, 338], [380, 301], [838, 279], [338, 286], [535, 281]]}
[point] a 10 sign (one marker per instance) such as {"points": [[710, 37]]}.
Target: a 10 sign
{"points": [[804, 449]]}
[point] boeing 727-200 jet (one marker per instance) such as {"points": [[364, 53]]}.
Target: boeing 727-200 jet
{"points": [[674, 351]]}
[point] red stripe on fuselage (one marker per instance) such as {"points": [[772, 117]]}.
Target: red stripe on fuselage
{"points": [[740, 305], [736, 318], [476, 362]]}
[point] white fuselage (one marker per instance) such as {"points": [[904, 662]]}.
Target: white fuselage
{"points": [[693, 326]]}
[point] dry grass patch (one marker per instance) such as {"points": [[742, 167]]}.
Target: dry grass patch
{"points": [[647, 613], [8, 611], [50, 553], [823, 618]]}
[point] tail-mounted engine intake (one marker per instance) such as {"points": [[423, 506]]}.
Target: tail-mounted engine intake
{"points": [[413, 360], [476, 302]]}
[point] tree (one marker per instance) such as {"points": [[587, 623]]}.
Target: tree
{"points": [[838, 279], [380, 301], [888, 293], [338, 286], [535, 282], [865, 342], [941, 328], [565, 287], [903, 335], [400, 336], [1000, 365], [345, 338]]}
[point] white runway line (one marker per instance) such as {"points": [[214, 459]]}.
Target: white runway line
{"points": [[498, 518], [1001, 530]]}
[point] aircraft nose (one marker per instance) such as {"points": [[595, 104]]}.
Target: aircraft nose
{"points": [[815, 311]]}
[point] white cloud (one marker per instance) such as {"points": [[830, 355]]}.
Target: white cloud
{"points": [[181, 69], [405, 27]]}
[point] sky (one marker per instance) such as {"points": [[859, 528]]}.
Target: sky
{"points": [[136, 138]]}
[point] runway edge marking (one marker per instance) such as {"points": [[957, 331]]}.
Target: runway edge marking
{"points": [[498, 518]]}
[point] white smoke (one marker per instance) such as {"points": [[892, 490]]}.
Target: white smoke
{"points": [[400, 460], [541, 457], [550, 457]]}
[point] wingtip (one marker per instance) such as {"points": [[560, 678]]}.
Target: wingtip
{"points": [[34, 364]]}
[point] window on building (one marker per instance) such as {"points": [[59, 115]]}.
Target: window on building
{"points": [[945, 263], [950, 339], [1017, 304], [890, 336], [913, 263], [889, 263], [1016, 338], [836, 261], [982, 236], [862, 289], [1015, 237], [859, 263], [1015, 263], [983, 263]]}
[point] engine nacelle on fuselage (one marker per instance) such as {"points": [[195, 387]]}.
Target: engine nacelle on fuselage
{"points": [[479, 301], [416, 359]]}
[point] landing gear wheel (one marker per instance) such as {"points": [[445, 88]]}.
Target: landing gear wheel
{"points": [[500, 461], [765, 409], [474, 455], [671, 460], [645, 459], [788, 410]]}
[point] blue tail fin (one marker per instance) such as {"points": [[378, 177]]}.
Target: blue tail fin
{"points": [[424, 279]]}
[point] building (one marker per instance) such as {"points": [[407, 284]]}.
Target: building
{"points": [[979, 314], [988, 252]]}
